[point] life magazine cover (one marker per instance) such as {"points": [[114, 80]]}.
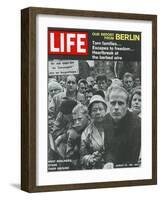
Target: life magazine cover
{"points": [[94, 99]]}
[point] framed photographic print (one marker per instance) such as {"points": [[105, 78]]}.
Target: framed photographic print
{"points": [[88, 99]]}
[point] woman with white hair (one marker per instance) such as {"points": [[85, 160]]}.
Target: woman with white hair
{"points": [[54, 88]]}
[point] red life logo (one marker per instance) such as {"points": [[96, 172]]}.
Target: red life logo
{"points": [[67, 43]]}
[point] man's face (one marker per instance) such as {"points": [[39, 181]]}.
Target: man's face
{"points": [[80, 121], [90, 81], [137, 82], [118, 105], [62, 83], [71, 84], [82, 88], [98, 112], [102, 85], [88, 96], [128, 83]]}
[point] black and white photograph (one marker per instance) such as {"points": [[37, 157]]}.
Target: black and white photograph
{"points": [[94, 99]]}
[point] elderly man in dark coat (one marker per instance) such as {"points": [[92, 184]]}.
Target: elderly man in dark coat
{"points": [[122, 132]]}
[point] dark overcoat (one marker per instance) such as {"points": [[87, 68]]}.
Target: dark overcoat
{"points": [[122, 140]]}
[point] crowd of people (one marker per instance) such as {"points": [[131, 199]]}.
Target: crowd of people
{"points": [[95, 123]]}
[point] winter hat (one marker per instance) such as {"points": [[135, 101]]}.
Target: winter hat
{"points": [[96, 99]]}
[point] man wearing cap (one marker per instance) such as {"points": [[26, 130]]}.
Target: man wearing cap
{"points": [[70, 93], [92, 139], [122, 131]]}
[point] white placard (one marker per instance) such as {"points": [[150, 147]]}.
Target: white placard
{"points": [[63, 67]]}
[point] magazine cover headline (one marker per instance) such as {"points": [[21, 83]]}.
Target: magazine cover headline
{"points": [[94, 99]]}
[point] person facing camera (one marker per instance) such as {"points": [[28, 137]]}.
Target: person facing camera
{"points": [[80, 122], [122, 131], [135, 101], [128, 81], [92, 139]]}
